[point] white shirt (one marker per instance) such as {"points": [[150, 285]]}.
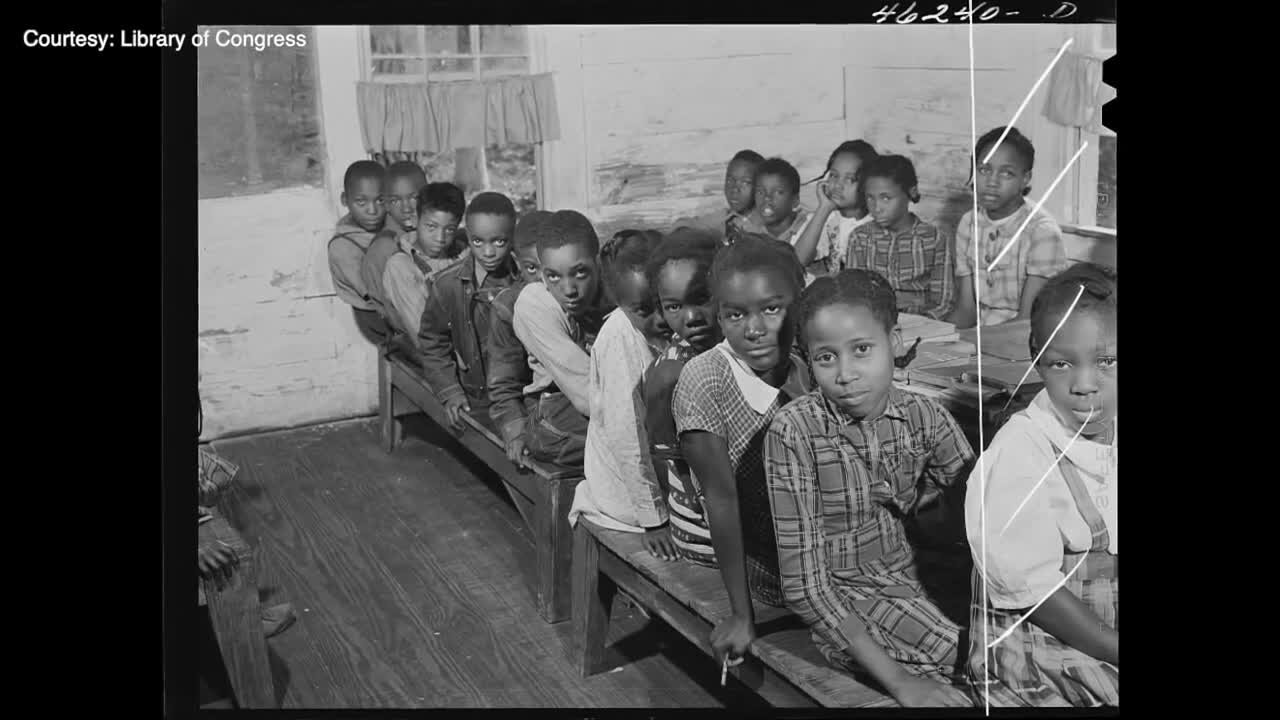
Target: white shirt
{"points": [[620, 490], [544, 329], [833, 243], [1024, 564]]}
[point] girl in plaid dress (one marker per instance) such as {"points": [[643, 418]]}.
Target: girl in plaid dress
{"points": [[723, 403], [848, 465], [678, 272], [1043, 527]]}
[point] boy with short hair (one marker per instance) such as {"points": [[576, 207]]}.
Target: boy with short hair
{"points": [[362, 189], [455, 321], [777, 210], [509, 371], [404, 180], [422, 253], [556, 321], [739, 194]]}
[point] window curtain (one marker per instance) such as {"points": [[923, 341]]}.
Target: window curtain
{"points": [[404, 119], [1076, 92]]}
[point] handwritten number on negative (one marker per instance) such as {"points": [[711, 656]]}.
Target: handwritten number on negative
{"points": [[884, 13], [943, 14], [937, 17]]}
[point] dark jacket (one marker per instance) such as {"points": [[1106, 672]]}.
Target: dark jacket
{"points": [[455, 327], [508, 365]]}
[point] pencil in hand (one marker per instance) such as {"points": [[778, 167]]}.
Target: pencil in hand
{"points": [[725, 665]]}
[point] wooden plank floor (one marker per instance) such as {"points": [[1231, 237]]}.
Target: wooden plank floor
{"points": [[411, 574]]}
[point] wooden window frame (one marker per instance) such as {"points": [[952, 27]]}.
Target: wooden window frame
{"points": [[536, 52], [368, 57], [1084, 211]]}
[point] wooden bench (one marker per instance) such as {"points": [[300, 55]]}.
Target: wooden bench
{"points": [[784, 667], [237, 623], [542, 493]]}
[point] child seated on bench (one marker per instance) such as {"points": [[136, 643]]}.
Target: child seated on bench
{"points": [[621, 488], [430, 248], [404, 180], [842, 208], [777, 212], [1009, 288], [557, 321], [846, 464], [509, 372], [723, 402], [679, 273], [739, 195], [362, 189], [913, 255], [1049, 545], [455, 321]]}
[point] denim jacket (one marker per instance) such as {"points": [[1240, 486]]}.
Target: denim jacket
{"points": [[509, 372], [455, 326]]}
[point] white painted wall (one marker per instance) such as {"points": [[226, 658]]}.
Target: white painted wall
{"points": [[277, 348], [652, 113]]}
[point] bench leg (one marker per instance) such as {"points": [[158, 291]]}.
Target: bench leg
{"points": [[593, 595], [237, 623], [392, 426], [553, 546]]}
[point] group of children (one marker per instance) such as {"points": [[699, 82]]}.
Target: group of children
{"points": [[727, 390]]}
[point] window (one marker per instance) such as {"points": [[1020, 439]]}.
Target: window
{"points": [[257, 126], [1096, 177], [1106, 211], [409, 53], [441, 53]]}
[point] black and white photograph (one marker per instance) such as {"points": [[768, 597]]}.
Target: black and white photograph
{"points": [[730, 366]]}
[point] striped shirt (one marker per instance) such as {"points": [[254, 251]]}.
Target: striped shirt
{"points": [[688, 519], [1038, 252], [838, 489], [917, 262]]}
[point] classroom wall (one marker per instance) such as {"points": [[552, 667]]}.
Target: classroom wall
{"points": [[277, 348], [653, 113]]}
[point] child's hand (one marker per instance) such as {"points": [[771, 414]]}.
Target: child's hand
{"points": [[732, 636], [658, 542], [214, 558], [922, 692], [824, 195], [455, 409], [516, 451]]}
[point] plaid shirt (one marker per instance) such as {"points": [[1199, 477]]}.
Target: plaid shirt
{"points": [[1038, 251], [839, 489], [917, 262]]}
